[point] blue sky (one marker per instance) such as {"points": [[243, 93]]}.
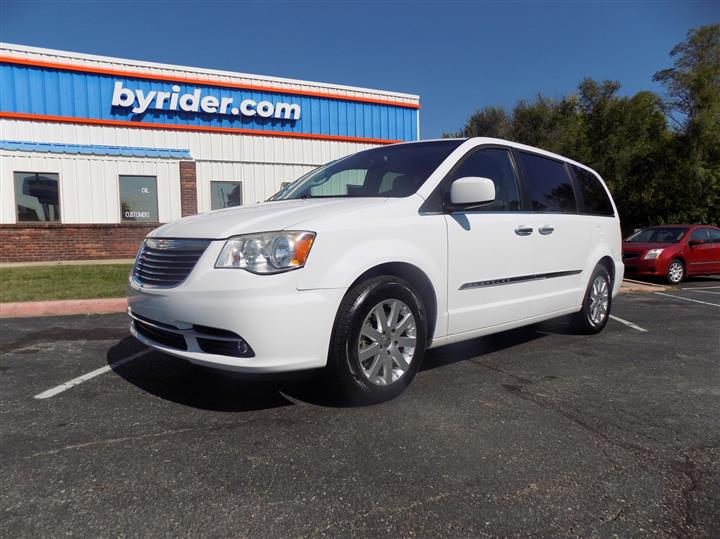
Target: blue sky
{"points": [[457, 55]]}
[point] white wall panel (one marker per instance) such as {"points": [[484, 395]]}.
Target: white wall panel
{"points": [[89, 184], [259, 181], [202, 146]]}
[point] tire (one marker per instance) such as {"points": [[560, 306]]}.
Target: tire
{"points": [[676, 271], [354, 370], [593, 317]]}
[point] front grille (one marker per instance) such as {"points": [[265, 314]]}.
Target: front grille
{"points": [[167, 262], [628, 256], [168, 338]]}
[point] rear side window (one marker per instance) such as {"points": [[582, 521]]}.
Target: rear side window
{"points": [[714, 235], [548, 184], [594, 195], [495, 164]]}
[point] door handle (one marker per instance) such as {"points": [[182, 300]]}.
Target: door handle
{"points": [[523, 230], [545, 230]]}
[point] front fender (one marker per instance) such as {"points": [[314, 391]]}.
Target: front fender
{"points": [[339, 256]]}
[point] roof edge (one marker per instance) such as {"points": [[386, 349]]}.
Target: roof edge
{"points": [[213, 72]]}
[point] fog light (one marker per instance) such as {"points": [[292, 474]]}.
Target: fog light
{"points": [[235, 348]]}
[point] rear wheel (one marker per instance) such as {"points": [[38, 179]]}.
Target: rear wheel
{"points": [[595, 311], [378, 341], [676, 271]]}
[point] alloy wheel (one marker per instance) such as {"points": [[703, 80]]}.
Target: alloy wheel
{"points": [[386, 344], [675, 272], [599, 301]]}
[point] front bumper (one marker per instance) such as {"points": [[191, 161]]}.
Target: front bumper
{"points": [[287, 329], [640, 266]]}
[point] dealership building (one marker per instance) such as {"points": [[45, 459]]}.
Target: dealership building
{"points": [[95, 151]]}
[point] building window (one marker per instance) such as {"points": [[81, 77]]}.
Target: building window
{"points": [[225, 194], [138, 199], [37, 197]]}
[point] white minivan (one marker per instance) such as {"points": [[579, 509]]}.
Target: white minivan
{"points": [[362, 265]]}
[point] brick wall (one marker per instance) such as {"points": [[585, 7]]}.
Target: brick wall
{"points": [[188, 188], [47, 242], [50, 242]]}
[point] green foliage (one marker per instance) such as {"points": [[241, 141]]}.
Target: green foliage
{"points": [[661, 159]]}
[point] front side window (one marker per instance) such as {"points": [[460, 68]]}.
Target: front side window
{"points": [[548, 183], [657, 235], [594, 195], [36, 197], [225, 194], [138, 199], [389, 171], [700, 234], [495, 164]]}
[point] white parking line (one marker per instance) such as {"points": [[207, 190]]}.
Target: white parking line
{"points": [[699, 290], [85, 377], [629, 324], [688, 299]]}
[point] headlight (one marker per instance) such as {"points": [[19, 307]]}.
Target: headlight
{"points": [[268, 252], [653, 254]]}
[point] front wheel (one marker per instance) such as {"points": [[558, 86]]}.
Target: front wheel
{"points": [[676, 271], [595, 311], [378, 341]]}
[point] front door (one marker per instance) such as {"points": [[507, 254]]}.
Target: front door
{"points": [[714, 234], [490, 250], [701, 252]]}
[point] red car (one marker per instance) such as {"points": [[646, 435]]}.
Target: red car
{"points": [[673, 251]]}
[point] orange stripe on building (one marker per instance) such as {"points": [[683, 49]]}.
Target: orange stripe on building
{"points": [[202, 128]]}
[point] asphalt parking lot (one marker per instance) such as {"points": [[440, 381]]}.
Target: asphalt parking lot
{"points": [[530, 432]]}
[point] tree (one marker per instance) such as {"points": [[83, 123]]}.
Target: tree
{"points": [[657, 173], [488, 122], [693, 88]]}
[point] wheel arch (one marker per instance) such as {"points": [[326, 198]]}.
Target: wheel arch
{"points": [[609, 265], [416, 277]]}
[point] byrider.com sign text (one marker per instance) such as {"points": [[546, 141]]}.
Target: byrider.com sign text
{"points": [[140, 102]]}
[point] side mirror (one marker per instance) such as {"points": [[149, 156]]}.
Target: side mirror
{"points": [[472, 191], [693, 243]]}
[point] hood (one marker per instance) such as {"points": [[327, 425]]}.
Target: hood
{"points": [[263, 217], [636, 247]]}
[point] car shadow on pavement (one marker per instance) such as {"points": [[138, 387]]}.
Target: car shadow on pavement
{"points": [[179, 381]]}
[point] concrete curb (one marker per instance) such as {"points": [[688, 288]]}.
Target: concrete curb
{"points": [[629, 285], [22, 309]]}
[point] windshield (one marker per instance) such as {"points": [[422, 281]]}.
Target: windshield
{"points": [[657, 235], [389, 171]]}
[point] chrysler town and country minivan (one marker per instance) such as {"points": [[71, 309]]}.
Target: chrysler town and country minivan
{"points": [[367, 262]]}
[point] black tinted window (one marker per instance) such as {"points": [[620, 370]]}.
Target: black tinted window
{"points": [[36, 196], [548, 184], [714, 235], [593, 193], [495, 164]]}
